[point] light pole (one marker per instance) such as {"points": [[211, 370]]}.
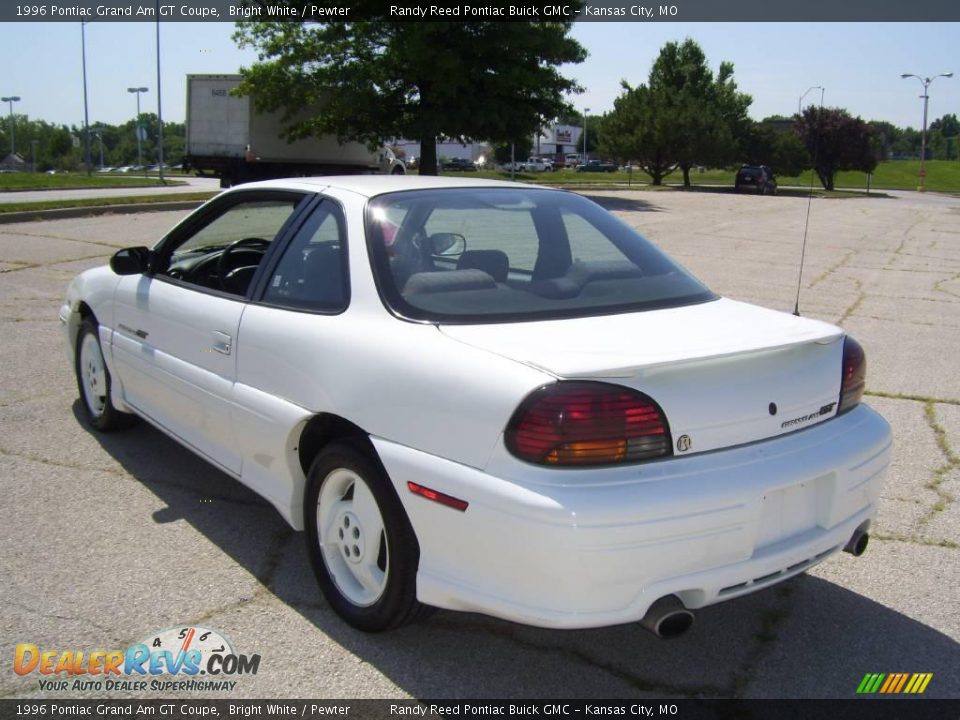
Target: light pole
{"points": [[86, 110], [800, 101], [99, 134], [137, 91], [585, 156], [923, 142], [12, 99]]}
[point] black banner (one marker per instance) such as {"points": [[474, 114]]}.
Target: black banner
{"points": [[496, 10], [861, 709]]}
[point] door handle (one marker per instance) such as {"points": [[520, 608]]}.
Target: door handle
{"points": [[222, 343]]}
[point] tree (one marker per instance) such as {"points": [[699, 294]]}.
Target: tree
{"points": [[837, 141], [518, 151], [772, 142], [883, 137], [383, 78], [639, 129], [689, 114], [948, 125]]}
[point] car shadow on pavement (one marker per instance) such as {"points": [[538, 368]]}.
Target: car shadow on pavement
{"points": [[807, 637], [620, 203]]}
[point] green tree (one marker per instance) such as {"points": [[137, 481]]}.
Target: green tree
{"points": [[684, 116], [382, 78], [837, 141], [520, 150], [639, 129], [883, 137], [772, 142]]}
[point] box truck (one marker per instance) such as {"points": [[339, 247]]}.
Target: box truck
{"points": [[227, 138]]}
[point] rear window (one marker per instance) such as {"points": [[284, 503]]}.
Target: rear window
{"points": [[508, 254]]}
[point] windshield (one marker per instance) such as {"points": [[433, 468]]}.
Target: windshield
{"points": [[503, 254]]}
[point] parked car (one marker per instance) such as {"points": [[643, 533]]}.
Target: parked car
{"points": [[572, 159], [756, 178], [597, 166], [460, 164], [464, 407], [516, 166], [536, 164]]}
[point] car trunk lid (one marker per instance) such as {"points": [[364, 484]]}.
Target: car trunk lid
{"points": [[725, 373]]}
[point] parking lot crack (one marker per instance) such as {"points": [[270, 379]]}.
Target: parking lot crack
{"points": [[912, 398], [35, 610], [771, 620], [952, 462], [861, 296]]}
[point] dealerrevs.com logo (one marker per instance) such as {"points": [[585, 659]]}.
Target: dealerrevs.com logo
{"points": [[174, 660]]}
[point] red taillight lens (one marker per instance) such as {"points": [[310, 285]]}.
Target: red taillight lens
{"points": [[854, 376], [587, 423]]}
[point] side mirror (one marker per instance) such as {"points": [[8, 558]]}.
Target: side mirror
{"points": [[447, 244], [130, 261]]}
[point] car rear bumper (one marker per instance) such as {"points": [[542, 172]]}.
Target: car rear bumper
{"points": [[589, 548]]}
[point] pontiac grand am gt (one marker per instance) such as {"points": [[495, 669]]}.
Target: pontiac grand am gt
{"points": [[486, 396]]}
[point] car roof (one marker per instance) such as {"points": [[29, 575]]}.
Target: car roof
{"points": [[371, 185]]}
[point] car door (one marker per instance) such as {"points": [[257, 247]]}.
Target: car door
{"points": [[175, 332]]}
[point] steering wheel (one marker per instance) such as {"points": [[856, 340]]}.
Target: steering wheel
{"points": [[223, 265]]}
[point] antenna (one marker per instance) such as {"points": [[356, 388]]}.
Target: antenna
{"points": [[806, 222]]}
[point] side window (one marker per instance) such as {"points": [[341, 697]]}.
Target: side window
{"points": [[312, 274], [224, 254], [587, 243]]}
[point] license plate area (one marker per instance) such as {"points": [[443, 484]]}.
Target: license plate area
{"points": [[793, 510]]}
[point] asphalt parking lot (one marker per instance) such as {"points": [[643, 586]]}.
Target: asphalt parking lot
{"points": [[106, 539]]}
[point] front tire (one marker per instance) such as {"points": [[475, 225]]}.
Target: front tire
{"points": [[361, 544], [94, 381]]}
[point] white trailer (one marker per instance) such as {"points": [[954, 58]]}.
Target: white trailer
{"points": [[228, 139]]}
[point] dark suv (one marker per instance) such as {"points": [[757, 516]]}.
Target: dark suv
{"points": [[757, 178]]}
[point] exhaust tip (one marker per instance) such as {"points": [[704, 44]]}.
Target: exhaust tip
{"points": [[857, 545], [667, 618]]}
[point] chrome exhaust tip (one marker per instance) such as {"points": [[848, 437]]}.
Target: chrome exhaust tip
{"points": [[667, 618]]}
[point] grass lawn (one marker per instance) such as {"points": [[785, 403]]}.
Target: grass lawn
{"points": [[942, 176], [102, 202], [12, 182]]}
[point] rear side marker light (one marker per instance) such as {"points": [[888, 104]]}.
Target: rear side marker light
{"points": [[587, 424], [438, 497]]}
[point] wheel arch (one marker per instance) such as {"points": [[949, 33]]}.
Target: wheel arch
{"points": [[321, 430]]}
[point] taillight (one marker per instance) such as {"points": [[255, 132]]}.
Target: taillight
{"points": [[587, 423], [854, 375]]}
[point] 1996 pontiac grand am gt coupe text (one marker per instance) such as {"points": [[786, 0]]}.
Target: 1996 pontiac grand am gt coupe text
{"points": [[485, 396]]}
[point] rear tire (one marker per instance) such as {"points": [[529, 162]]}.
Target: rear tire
{"points": [[362, 547], [94, 381]]}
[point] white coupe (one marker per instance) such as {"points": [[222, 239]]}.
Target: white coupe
{"points": [[488, 397]]}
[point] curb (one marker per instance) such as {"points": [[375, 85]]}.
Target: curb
{"points": [[92, 211]]}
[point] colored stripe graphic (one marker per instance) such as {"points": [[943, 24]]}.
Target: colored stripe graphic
{"points": [[894, 683]]}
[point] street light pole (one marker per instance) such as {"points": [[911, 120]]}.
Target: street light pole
{"points": [[585, 156], [800, 101], [12, 99], [137, 91], [86, 112], [99, 134], [922, 186]]}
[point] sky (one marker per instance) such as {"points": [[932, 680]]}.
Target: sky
{"points": [[858, 64]]}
